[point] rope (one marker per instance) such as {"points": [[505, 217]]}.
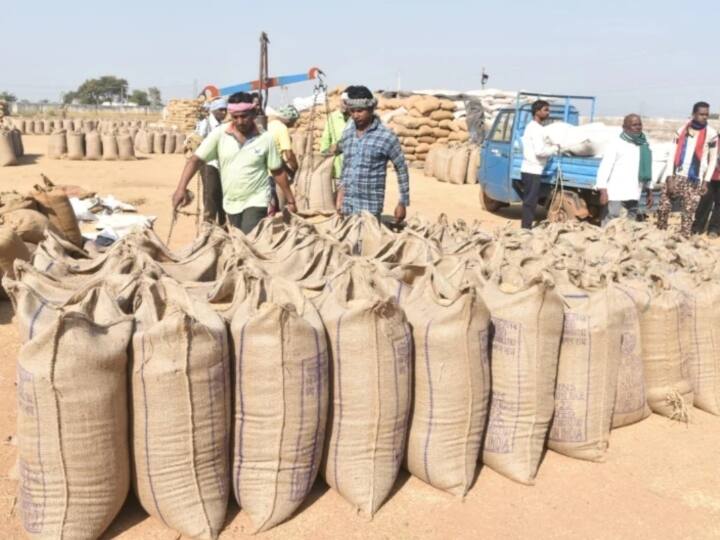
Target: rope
{"points": [[556, 202], [177, 212]]}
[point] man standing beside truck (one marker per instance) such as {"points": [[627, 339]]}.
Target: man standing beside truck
{"points": [[625, 171], [536, 152], [690, 169]]}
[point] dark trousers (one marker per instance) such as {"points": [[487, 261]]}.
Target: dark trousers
{"points": [[709, 207], [531, 194], [248, 219], [212, 195]]}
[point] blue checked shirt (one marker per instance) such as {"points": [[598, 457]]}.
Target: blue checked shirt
{"points": [[365, 168]]}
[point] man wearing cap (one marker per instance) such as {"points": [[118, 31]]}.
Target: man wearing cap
{"points": [[245, 156], [332, 133], [367, 145], [210, 172], [278, 124]]}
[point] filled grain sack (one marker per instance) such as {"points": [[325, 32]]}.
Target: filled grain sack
{"points": [[7, 149], [109, 147], [93, 146], [450, 329], [56, 206], [180, 390], [158, 142], [527, 322], [429, 167], [457, 171], [57, 144], [126, 150], [169, 147], [29, 225], [179, 143], [11, 248], [473, 166], [630, 399], [587, 374], [143, 142], [16, 139], [314, 184], [700, 332], [281, 400], [73, 425], [442, 163], [667, 376], [370, 391], [76, 145]]}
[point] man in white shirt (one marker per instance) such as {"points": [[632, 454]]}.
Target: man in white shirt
{"points": [[625, 171], [536, 152], [210, 172], [688, 173]]}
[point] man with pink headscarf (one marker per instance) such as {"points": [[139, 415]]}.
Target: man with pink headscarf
{"points": [[245, 156]]}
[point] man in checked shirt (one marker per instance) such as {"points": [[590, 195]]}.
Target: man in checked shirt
{"points": [[367, 145]]}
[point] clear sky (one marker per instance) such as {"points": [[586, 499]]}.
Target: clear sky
{"points": [[653, 57]]}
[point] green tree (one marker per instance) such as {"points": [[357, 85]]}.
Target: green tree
{"points": [[139, 97], [155, 97], [7, 96], [97, 91]]}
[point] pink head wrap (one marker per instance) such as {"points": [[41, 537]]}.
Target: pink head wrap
{"points": [[240, 107]]}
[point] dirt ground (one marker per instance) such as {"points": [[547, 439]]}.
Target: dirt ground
{"points": [[660, 479]]}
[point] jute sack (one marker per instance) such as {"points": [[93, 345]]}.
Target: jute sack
{"points": [[73, 426], [93, 146], [631, 400], [281, 392], [180, 389], [314, 188], [29, 225], [158, 142], [587, 373], [11, 248], [473, 165], [57, 144], [76, 145], [16, 139], [109, 147], [370, 393], [429, 167], [143, 142], [56, 206], [527, 325], [669, 391], [126, 151], [450, 330], [7, 149], [12, 200], [169, 143], [441, 163], [457, 170], [179, 143], [700, 332]]}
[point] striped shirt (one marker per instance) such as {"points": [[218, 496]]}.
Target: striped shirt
{"points": [[364, 172]]}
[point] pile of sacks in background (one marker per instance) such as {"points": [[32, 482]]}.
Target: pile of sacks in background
{"points": [[114, 143], [11, 146], [46, 126], [182, 114], [341, 348]]}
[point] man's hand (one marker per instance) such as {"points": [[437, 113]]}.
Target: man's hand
{"points": [[291, 207], [649, 199], [703, 188], [400, 213], [603, 197], [179, 198]]}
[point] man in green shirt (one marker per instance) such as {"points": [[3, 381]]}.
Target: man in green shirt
{"points": [[245, 156], [334, 127]]}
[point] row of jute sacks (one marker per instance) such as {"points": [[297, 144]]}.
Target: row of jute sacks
{"points": [[111, 146], [46, 126], [427, 349], [11, 147], [453, 164]]}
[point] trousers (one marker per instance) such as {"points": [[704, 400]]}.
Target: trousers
{"points": [[248, 219], [708, 207], [531, 195], [212, 195], [688, 193], [614, 209]]}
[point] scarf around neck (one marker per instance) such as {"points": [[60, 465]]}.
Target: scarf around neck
{"points": [[645, 168], [693, 173]]}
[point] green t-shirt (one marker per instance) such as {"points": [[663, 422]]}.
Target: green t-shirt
{"points": [[243, 169]]}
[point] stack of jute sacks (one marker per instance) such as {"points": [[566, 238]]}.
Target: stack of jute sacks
{"points": [[111, 144], [338, 347], [182, 114], [46, 126]]}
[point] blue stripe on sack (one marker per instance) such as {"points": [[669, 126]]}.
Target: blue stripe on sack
{"points": [[430, 412], [239, 421], [338, 388]]}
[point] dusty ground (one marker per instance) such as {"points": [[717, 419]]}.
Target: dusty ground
{"points": [[660, 479]]}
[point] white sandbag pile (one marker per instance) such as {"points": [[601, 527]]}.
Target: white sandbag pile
{"points": [[356, 351]]}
